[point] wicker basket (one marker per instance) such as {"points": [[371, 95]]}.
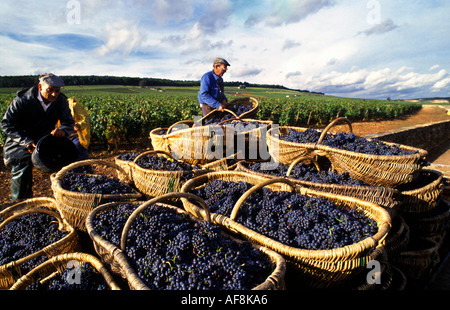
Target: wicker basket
{"points": [[382, 170], [215, 115], [58, 264], [398, 237], [227, 163], [249, 102], [252, 143], [154, 183], [383, 196], [75, 206], [418, 259], [118, 259], [192, 145], [432, 223], [110, 253], [417, 197], [157, 135], [320, 268], [11, 271], [284, 151]]}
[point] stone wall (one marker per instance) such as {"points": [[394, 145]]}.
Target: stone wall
{"points": [[425, 136]]}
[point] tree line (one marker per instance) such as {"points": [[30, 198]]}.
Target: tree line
{"points": [[30, 80]]}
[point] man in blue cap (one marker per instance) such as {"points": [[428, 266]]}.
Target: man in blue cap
{"points": [[211, 95], [33, 114]]}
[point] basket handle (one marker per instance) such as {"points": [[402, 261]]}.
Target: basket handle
{"points": [[64, 170], [213, 111], [30, 211], [241, 199], [187, 121], [151, 202], [299, 159], [151, 153], [325, 131]]}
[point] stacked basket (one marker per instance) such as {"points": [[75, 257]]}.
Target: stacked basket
{"points": [[314, 268], [202, 141], [115, 256], [419, 212], [13, 270]]}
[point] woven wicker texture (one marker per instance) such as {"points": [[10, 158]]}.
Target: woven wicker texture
{"points": [[154, 183], [424, 197], [75, 206], [383, 196], [334, 265], [58, 264], [70, 243], [383, 170], [118, 260]]}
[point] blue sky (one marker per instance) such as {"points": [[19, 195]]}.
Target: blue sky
{"points": [[366, 49]]}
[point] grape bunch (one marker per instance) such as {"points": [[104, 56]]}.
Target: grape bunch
{"points": [[94, 184], [109, 223], [312, 223], [170, 251], [162, 163], [309, 172], [238, 109], [27, 235], [346, 141], [82, 277], [128, 156], [220, 117], [244, 126]]}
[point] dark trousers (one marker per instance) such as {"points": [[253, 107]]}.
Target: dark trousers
{"points": [[206, 109], [22, 179]]}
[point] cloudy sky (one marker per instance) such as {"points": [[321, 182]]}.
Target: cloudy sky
{"points": [[366, 49]]}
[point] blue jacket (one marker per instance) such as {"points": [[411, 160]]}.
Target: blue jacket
{"points": [[210, 91], [26, 121]]}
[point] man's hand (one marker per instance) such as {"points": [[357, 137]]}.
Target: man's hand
{"points": [[58, 133], [223, 106], [77, 127]]}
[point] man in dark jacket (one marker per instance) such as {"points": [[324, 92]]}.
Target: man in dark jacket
{"points": [[33, 114]]}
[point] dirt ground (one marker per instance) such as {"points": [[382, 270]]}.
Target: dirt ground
{"points": [[42, 184]]}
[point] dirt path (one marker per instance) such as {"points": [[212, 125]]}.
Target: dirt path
{"points": [[42, 185]]}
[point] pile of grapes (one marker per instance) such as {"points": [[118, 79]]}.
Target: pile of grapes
{"points": [[295, 220], [239, 109], [162, 163], [345, 141], [309, 173], [69, 280], [128, 156], [169, 251], [94, 184], [220, 117], [244, 126], [109, 223], [27, 235]]}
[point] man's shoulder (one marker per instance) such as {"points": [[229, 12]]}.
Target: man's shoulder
{"points": [[27, 93]]}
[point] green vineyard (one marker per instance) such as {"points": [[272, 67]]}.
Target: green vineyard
{"points": [[120, 113]]}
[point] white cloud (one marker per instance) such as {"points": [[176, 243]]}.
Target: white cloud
{"points": [[384, 26], [381, 83], [320, 45], [292, 11], [121, 37]]}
